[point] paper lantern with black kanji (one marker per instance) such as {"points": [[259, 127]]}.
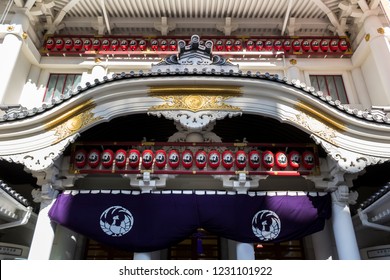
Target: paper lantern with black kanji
{"points": [[107, 158], [154, 45], [68, 44], [278, 45], [134, 158], [105, 45], [287, 45], [80, 158], [50, 44], [259, 45], [241, 159], [59, 44], [267, 159], [142, 45], [250, 45], [94, 158], [238, 45], [78, 44], [324, 45], [161, 159], [254, 159], [114, 44], [305, 45], [315, 45], [214, 159], [227, 159], [219, 45], [308, 160], [294, 159], [163, 45], [187, 159], [133, 45], [334, 45], [96, 44], [172, 45], [173, 159], [228, 45], [124, 45], [281, 160], [268, 45], [200, 159], [87, 44], [147, 158], [120, 158], [296, 45], [343, 45]]}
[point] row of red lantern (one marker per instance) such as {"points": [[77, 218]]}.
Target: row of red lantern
{"points": [[214, 159], [296, 45]]}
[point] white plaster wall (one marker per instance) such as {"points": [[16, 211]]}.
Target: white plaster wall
{"points": [[374, 86]]}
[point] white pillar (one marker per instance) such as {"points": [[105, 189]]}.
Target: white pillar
{"points": [[65, 244], [343, 230], [293, 72], [322, 244], [380, 51], [232, 250], [44, 230], [245, 251], [155, 255], [361, 87], [11, 50]]}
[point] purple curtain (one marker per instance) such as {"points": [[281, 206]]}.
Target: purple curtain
{"points": [[153, 221]]}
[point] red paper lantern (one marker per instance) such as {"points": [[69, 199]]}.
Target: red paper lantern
{"points": [[250, 45], [80, 158], [147, 158], [254, 159], [87, 44], [163, 45], [93, 158], [268, 45], [305, 45], [107, 158], [259, 45], [142, 45], [241, 159], [173, 45], [78, 44], [315, 45], [68, 44], [219, 45], [120, 158], [161, 159], [228, 45], [227, 159], [334, 45], [96, 44], [267, 159], [238, 45], [308, 160], [287, 45], [214, 159], [154, 45], [296, 45], [278, 45], [294, 159], [133, 45], [105, 45], [324, 45], [59, 44], [50, 44], [187, 159], [173, 159], [281, 160], [201, 159], [343, 45], [124, 45], [134, 158], [114, 44]]}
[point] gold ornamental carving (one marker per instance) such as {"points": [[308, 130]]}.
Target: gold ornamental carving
{"points": [[367, 37], [381, 30]]}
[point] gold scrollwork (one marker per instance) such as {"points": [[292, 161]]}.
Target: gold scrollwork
{"points": [[381, 30]]}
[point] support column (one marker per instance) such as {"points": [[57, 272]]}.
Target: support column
{"points": [[380, 51], [245, 251], [343, 230], [65, 244], [44, 230], [293, 72], [155, 255], [361, 87], [12, 46], [322, 244]]}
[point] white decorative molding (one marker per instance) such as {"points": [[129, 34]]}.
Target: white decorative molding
{"points": [[348, 161], [40, 160]]}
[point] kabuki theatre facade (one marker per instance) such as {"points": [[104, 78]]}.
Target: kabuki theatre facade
{"points": [[168, 129]]}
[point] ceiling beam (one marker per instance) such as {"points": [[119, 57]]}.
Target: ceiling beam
{"points": [[60, 16], [339, 29], [287, 16], [105, 16]]}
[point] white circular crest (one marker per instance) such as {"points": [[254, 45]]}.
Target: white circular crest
{"points": [[116, 221], [266, 225]]}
